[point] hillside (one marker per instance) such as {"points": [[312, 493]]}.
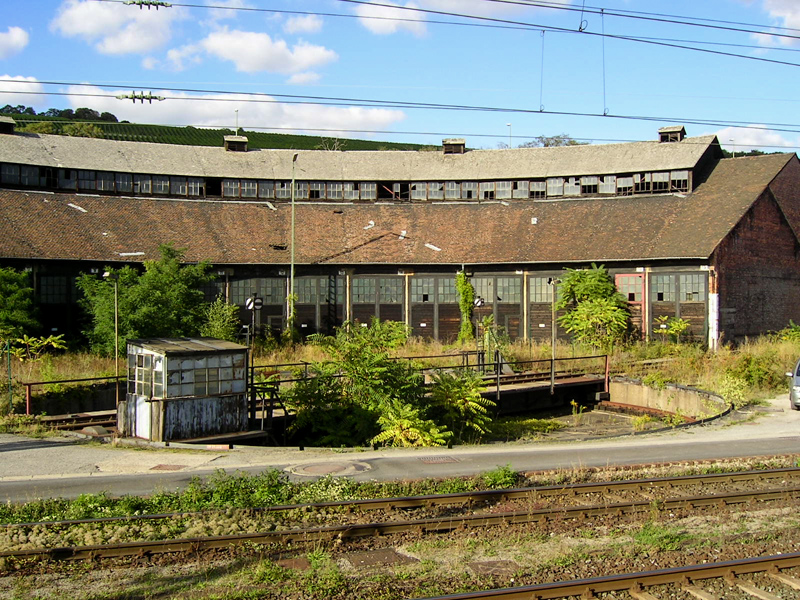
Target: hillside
{"points": [[194, 136]]}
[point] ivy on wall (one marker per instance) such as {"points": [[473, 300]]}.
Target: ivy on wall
{"points": [[466, 304]]}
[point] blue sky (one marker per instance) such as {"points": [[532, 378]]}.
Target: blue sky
{"points": [[549, 66]]}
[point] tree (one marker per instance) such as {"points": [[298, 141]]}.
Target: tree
{"points": [[466, 305], [165, 300], [543, 141], [597, 314], [222, 320], [40, 127], [17, 110], [82, 130], [87, 114], [16, 305], [107, 116]]}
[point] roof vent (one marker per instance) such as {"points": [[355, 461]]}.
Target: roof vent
{"points": [[7, 125], [676, 133], [235, 143], [454, 146]]}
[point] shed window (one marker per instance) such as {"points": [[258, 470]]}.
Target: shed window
{"points": [[350, 191], [447, 291], [555, 186], [469, 190], [486, 190], [67, 179], [624, 186], [29, 176], [509, 290], [391, 290], [419, 191], [335, 190], [679, 181], [142, 184], [484, 288], [177, 186], [306, 290], [230, 188], [630, 286], [504, 189], [452, 190], [364, 290], [540, 290], [435, 190], [691, 287], [589, 185], [316, 190], [663, 288], [195, 186], [521, 189], [87, 180], [368, 190], [266, 189], [538, 189], [105, 182], [249, 188], [160, 184], [572, 186], [283, 189], [124, 183], [10, 174], [660, 182], [608, 184], [642, 183], [422, 289], [53, 289], [274, 290]]}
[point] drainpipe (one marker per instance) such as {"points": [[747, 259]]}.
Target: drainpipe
{"points": [[713, 310]]}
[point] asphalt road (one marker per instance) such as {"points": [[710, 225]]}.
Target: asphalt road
{"points": [[65, 467]]}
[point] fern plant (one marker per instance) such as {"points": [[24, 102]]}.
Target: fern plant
{"points": [[458, 396], [402, 425]]}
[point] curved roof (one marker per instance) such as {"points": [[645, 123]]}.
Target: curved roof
{"points": [[39, 225], [320, 165]]}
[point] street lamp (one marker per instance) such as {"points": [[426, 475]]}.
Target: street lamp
{"points": [[290, 303], [478, 344], [733, 148], [114, 277], [509, 135]]}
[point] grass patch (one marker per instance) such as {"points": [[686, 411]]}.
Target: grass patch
{"points": [[522, 428]]}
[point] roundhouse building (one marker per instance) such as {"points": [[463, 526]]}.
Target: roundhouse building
{"points": [[684, 231]]}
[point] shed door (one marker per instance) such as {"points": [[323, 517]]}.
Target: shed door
{"points": [[142, 417]]}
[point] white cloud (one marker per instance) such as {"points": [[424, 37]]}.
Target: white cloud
{"points": [[744, 139], [303, 78], [222, 11], [116, 29], [20, 85], [13, 41], [391, 18], [150, 63], [306, 24], [218, 111], [252, 52], [784, 13], [179, 58]]}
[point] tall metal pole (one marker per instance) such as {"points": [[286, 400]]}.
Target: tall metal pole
{"points": [[116, 338], [290, 303], [553, 336]]}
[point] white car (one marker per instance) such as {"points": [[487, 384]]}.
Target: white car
{"points": [[794, 387]]}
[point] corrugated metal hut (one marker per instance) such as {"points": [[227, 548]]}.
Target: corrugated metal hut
{"points": [[184, 388]]}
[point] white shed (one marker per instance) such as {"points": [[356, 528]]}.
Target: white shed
{"points": [[184, 388]]}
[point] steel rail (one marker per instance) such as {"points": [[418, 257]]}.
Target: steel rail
{"points": [[634, 582], [475, 497], [431, 525]]}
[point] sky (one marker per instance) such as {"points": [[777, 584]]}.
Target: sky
{"points": [[495, 72]]}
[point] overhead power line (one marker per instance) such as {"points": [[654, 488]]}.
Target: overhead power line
{"points": [[264, 98], [497, 23]]}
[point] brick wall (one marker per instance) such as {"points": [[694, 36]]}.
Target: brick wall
{"points": [[758, 266]]}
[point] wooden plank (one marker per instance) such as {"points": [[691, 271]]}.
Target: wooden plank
{"points": [[792, 582], [755, 591], [699, 593], [641, 595]]}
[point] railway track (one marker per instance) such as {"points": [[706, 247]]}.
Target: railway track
{"points": [[78, 421], [441, 524], [691, 580], [486, 497]]}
